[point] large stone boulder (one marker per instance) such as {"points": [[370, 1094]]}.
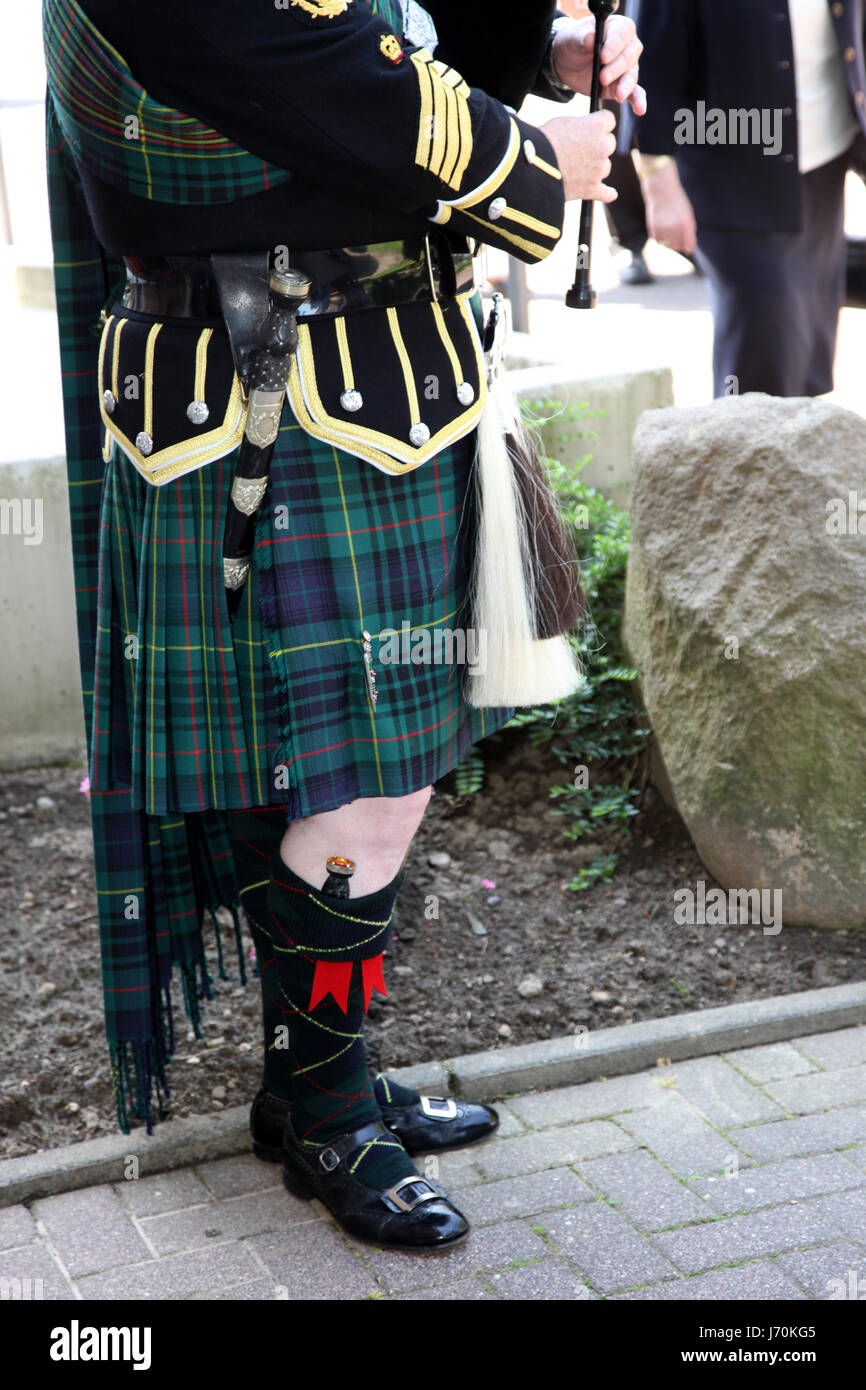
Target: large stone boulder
{"points": [[746, 619]]}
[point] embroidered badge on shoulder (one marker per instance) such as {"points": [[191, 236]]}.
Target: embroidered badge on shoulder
{"points": [[323, 9], [389, 47]]}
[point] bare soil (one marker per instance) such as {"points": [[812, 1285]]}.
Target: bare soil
{"points": [[512, 957]]}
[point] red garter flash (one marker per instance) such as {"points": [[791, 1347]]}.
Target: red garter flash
{"points": [[334, 977]]}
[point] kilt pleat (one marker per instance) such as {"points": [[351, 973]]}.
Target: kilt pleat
{"points": [[198, 714]]}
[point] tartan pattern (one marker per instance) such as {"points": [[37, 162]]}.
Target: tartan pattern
{"points": [[131, 141], [187, 730]]}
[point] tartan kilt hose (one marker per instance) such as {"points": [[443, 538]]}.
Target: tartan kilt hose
{"points": [[195, 713]]}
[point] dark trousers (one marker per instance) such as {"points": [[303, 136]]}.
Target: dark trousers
{"points": [[626, 218], [776, 296]]}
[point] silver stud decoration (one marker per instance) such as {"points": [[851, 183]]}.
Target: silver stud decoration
{"points": [[144, 443], [529, 151], [109, 402], [369, 668], [496, 209], [465, 393], [197, 412], [418, 435], [351, 400]]}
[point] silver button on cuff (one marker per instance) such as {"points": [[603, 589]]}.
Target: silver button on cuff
{"points": [[351, 400], [109, 402], [144, 443], [465, 393], [197, 412], [418, 435], [496, 209]]}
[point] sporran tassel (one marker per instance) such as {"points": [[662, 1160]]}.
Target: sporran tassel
{"points": [[524, 590]]}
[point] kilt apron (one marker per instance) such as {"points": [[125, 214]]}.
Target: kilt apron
{"points": [[188, 715]]}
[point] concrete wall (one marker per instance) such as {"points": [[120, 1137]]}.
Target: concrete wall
{"points": [[40, 700]]}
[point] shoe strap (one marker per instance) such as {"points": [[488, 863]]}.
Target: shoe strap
{"points": [[331, 1155]]}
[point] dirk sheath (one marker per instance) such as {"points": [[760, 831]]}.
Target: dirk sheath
{"points": [[270, 376]]}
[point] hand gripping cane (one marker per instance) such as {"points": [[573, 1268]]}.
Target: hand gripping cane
{"points": [[582, 295], [288, 289]]}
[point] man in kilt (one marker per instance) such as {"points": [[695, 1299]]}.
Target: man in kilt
{"points": [[246, 746]]}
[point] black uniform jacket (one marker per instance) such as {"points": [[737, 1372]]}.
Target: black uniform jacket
{"points": [[333, 100], [735, 55]]}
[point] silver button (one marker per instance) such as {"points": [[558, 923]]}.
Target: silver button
{"points": [[465, 393], [108, 401], [197, 412], [529, 151], [496, 209], [351, 400], [418, 435], [144, 443]]}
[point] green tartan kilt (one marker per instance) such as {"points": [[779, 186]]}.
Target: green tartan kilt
{"points": [[195, 712]]}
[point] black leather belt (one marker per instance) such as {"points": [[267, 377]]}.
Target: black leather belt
{"points": [[348, 280]]}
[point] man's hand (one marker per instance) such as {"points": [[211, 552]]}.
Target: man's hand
{"points": [[583, 146], [572, 59], [670, 217]]}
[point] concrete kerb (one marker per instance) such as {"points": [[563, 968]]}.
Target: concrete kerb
{"points": [[479, 1076]]}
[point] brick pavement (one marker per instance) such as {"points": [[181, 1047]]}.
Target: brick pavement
{"points": [[736, 1176]]}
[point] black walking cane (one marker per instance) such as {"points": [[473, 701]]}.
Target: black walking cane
{"points": [[582, 295], [288, 289]]}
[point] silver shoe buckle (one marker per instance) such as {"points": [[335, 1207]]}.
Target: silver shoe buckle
{"points": [[424, 1196], [445, 1108], [329, 1160]]}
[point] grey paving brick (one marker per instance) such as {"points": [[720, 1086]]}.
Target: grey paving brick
{"points": [[832, 1272], [232, 1177], [163, 1192], [857, 1156], [644, 1190], [789, 1180], [30, 1264], [844, 1048], [314, 1261], [464, 1291], [524, 1196], [594, 1099], [761, 1280], [848, 1214], [605, 1249], [773, 1062], [552, 1148], [807, 1135], [698, 1248], [551, 1280], [721, 1095], [90, 1230], [486, 1249], [17, 1227], [821, 1090], [231, 1219], [177, 1276], [682, 1138], [454, 1170], [508, 1122], [253, 1291]]}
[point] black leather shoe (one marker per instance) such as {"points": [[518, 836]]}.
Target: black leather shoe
{"points": [[632, 269], [413, 1215], [432, 1125]]}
